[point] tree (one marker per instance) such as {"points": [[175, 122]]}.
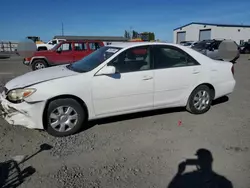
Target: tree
{"points": [[134, 34], [127, 34], [151, 36]]}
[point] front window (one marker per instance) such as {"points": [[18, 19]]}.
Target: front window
{"points": [[65, 47], [93, 60]]}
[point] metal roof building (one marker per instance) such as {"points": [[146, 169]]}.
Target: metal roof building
{"points": [[102, 38], [196, 31]]}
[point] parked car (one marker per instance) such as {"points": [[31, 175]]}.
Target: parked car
{"points": [[63, 53], [188, 43], [113, 81], [245, 48], [210, 49], [49, 45]]}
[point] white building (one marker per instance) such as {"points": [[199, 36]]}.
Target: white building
{"points": [[200, 31]]}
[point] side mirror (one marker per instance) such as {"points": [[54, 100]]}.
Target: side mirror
{"points": [[108, 70], [59, 51]]}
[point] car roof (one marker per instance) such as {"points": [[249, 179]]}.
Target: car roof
{"points": [[135, 44]]}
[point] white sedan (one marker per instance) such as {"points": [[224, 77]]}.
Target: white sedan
{"points": [[116, 79]]}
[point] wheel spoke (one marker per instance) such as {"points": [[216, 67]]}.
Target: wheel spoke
{"points": [[69, 111], [55, 124], [70, 124], [73, 117], [60, 110], [54, 116], [62, 127], [196, 98]]}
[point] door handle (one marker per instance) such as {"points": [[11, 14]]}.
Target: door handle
{"points": [[147, 78]]}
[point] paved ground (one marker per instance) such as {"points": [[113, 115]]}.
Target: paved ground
{"points": [[140, 150]]}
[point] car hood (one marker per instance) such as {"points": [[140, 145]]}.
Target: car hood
{"points": [[39, 76]]}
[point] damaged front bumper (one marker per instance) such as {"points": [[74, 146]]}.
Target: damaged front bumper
{"points": [[25, 114]]}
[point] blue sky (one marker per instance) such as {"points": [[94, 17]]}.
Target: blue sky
{"points": [[21, 18]]}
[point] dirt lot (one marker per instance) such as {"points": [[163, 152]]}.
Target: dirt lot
{"points": [[139, 150]]}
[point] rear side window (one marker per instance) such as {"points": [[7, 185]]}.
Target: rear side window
{"points": [[81, 46], [94, 46], [171, 57]]}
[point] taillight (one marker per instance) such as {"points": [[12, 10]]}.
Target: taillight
{"points": [[232, 69]]}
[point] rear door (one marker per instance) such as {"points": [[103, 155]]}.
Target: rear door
{"points": [[80, 50], [63, 54], [175, 72]]}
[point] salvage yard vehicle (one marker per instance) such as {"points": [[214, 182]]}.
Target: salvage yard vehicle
{"points": [[49, 45], [113, 81], [63, 53], [189, 44], [210, 48], [245, 48]]}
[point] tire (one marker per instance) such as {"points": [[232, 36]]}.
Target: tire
{"points": [[39, 64], [58, 117], [206, 100]]}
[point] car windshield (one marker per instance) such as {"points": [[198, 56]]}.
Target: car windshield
{"points": [[202, 44], [93, 60]]}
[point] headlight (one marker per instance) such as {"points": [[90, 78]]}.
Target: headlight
{"points": [[18, 95]]}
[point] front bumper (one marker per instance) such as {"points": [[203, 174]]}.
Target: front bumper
{"points": [[26, 62], [24, 114]]}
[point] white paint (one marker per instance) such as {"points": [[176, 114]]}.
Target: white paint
{"points": [[107, 96], [192, 32]]}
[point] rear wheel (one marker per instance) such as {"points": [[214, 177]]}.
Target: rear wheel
{"points": [[64, 117], [39, 64], [200, 100]]}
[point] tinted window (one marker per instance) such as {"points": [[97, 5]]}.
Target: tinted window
{"points": [[216, 45], [94, 45], [170, 57], [82, 46], [132, 60], [65, 47]]}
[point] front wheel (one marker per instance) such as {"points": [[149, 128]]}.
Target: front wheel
{"points": [[64, 117], [200, 100], [39, 64]]}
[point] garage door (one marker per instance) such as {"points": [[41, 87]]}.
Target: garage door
{"points": [[205, 34], [181, 36]]}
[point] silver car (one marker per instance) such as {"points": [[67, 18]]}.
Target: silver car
{"points": [[210, 49]]}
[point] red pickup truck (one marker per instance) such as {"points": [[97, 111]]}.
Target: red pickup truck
{"points": [[63, 53]]}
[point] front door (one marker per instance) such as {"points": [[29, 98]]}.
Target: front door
{"points": [[64, 54], [175, 72], [130, 89]]}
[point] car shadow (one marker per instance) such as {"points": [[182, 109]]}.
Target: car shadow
{"points": [[11, 174], [137, 115], [203, 176]]}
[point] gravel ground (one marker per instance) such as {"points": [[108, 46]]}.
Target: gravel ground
{"points": [[138, 150]]}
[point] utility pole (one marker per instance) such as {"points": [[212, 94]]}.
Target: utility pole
{"points": [[62, 30]]}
